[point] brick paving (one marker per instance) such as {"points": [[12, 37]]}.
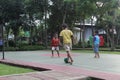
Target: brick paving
{"points": [[84, 66], [46, 75]]}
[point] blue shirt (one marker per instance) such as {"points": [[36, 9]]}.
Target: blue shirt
{"points": [[96, 39]]}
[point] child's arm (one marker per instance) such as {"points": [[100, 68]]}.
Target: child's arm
{"points": [[60, 41], [51, 43]]}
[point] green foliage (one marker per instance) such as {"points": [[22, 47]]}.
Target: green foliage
{"points": [[118, 46], [25, 47], [10, 48], [31, 47], [23, 13], [79, 45], [107, 13], [35, 7], [85, 8], [11, 9], [61, 11]]}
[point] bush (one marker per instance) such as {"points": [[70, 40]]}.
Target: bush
{"points": [[31, 47], [25, 48], [10, 49], [118, 47], [79, 45]]}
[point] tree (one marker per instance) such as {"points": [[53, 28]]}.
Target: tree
{"points": [[84, 9], [37, 10], [61, 12], [106, 19], [11, 11]]}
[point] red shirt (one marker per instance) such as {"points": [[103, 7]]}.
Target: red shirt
{"points": [[101, 41], [55, 42]]}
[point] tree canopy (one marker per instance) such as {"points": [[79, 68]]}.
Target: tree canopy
{"points": [[51, 14]]}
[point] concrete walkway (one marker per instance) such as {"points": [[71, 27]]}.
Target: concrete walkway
{"points": [[107, 67]]}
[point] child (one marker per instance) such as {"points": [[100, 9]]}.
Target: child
{"points": [[66, 36], [96, 41], [55, 44]]}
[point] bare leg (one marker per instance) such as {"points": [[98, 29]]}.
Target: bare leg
{"points": [[98, 55], [52, 53], [58, 53], [95, 55], [69, 57]]}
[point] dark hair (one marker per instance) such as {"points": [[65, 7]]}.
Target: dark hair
{"points": [[96, 32], [64, 25]]}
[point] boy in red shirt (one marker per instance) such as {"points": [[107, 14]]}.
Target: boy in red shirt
{"points": [[55, 44]]}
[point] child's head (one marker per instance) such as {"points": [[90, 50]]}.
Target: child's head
{"points": [[56, 35], [64, 25], [96, 32]]}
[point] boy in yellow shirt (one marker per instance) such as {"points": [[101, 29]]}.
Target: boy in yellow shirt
{"points": [[66, 36]]}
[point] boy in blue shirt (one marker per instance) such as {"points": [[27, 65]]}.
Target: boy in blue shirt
{"points": [[96, 42]]}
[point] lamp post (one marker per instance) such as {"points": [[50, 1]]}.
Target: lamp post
{"points": [[2, 39], [46, 23], [2, 32], [99, 4], [3, 54], [99, 13]]}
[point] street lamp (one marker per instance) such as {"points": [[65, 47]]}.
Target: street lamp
{"points": [[99, 4], [3, 57], [99, 12], [46, 23], [2, 39], [2, 32]]}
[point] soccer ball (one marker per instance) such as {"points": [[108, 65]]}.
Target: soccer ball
{"points": [[66, 60]]}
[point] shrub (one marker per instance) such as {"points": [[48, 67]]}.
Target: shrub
{"points": [[25, 48], [31, 47], [10, 49], [118, 47]]}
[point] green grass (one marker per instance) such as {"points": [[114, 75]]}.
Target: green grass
{"points": [[101, 52], [7, 70]]}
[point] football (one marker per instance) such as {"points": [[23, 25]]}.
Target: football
{"points": [[66, 60]]}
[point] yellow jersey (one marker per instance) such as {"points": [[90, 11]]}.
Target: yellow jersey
{"points": [[66, 34]]}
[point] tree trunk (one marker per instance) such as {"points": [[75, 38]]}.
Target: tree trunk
{"points": [[110, 36], [83, 35], [118, 36], [64, 17], [112, 40], [92, 26]]}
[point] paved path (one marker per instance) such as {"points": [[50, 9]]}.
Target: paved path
{"points": [[107, 67]]}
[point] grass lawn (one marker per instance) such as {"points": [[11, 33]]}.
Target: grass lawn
{"points": [[101, 52], [7, 70]]}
